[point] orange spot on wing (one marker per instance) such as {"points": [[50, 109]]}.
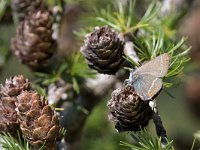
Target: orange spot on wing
{"points": [[153, 92]]}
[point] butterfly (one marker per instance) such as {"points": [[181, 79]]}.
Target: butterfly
{"points": [[146, 79]]}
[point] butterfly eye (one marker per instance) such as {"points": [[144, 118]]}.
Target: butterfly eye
{"points": [[135, 76]]}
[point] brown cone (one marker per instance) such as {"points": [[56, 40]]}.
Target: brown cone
{"points": [[128, 111], [23, 8], [103, 50], [38, 121], [33, 44], [8, 116]]}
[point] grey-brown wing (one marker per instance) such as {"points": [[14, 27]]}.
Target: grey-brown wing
{"points": [[147, 86], [157, 67]]}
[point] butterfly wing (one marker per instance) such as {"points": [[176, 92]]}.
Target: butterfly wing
{"points": [[157, 67], [147, 86]]}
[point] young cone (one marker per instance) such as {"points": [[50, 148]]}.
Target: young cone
{"points": [[23, 8], [103, 50], [128, 111], [33, 44], [38, 121], [8, 93]]}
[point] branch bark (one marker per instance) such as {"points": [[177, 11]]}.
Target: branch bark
{"points": [[160, 129], [75, 114]]}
